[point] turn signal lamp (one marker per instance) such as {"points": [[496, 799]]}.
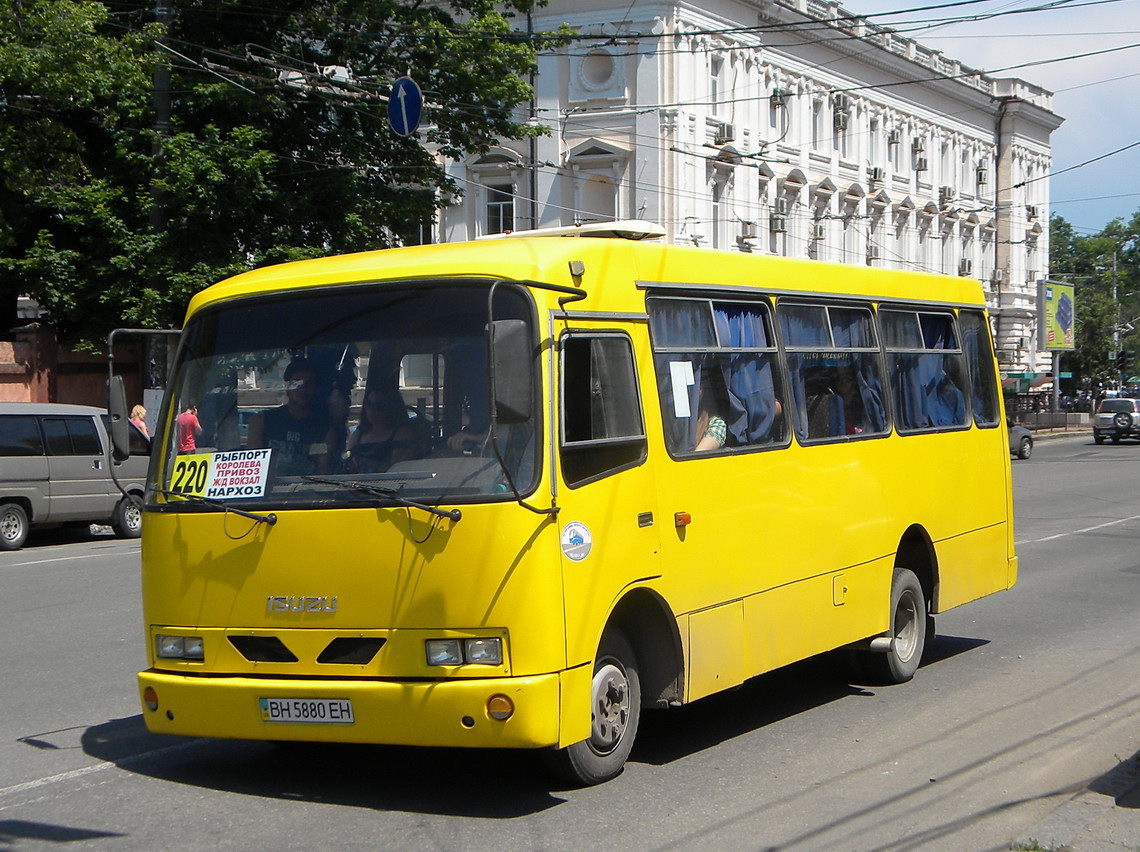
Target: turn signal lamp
{"points": [[500, 707]]}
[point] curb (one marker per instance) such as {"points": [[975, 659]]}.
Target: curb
{"points": [[1105, 815], [1046, 434]]}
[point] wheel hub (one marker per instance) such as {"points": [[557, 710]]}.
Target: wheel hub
{"points": [[907, 627], [9, 526], [610, 708]]}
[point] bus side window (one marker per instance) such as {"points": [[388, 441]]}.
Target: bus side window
{"points": [[980, 360], [602, 426], [833, 364], [716, 362], [927, 368]]}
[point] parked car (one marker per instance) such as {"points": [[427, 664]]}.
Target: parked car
{"points": [[1020, 440], [55, 469], [1117, 418]]}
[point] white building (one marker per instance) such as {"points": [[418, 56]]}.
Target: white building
{"points": [[787, 128]]}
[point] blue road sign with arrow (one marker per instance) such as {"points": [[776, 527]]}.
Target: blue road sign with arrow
{"points": [[405, 106]]}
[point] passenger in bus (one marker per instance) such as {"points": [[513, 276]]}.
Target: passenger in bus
{"points": [[300, 433], [469, 375], [386, 433], [852, 410], [712, 430]]}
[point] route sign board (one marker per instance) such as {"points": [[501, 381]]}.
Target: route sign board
{"points": [[405, 106]]}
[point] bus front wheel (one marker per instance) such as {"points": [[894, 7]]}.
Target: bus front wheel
{"points": [[910, 628], [615, 710]]}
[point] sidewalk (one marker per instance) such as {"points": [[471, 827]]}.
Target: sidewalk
{"points": [[1104, 817]]}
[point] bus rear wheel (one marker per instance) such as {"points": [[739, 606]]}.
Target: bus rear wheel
{"points": [[615, 711], [910, 627]]}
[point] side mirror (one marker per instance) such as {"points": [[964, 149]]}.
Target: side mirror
{"points": [[120, 424], [512, 371]]}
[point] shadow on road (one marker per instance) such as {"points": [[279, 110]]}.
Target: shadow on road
{"points": [[439, 781], [1122, 783], [14, 830]]}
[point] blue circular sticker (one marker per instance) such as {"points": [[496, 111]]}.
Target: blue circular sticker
{"points": [[576, 541]]}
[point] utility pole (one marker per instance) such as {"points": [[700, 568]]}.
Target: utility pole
{"points": [[160, 102], [1116, 326]]}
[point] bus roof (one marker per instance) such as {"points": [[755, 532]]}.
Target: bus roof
{"points": [[610, 269]]}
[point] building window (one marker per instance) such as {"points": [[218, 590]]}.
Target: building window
{"points": [[500, 209], [716, 85], [817, 126], [779, 106], [599, 199]]}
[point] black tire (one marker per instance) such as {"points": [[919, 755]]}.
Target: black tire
{"points": [[1116, 439], [13, 526], [127, 521], [1098, 439], [910, 627], [615, 698], [1025, 448]]}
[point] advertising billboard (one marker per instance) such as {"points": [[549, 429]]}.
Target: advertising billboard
{"points": [[1057, 316]]}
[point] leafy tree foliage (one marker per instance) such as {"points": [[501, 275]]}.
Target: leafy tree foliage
{"points": [[1105, 269], [277, 145]]}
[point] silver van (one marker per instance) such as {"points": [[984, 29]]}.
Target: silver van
{"points": [[55, 468]]}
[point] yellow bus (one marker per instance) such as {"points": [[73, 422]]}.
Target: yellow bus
{"points": [[508, 493]]}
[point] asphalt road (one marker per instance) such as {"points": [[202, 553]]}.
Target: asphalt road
{"points": [[1023, 699]]}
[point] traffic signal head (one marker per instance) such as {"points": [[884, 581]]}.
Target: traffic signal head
{"points": [[1124, 360]]}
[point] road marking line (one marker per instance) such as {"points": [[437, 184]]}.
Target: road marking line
{"points": [[59, 559], [87, 770], [1078, 532], [51, 779]]}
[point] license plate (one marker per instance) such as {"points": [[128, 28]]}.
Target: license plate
{"points": [[319, 711]]}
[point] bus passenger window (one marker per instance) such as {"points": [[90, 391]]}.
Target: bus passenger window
{"points": [[928, 370], [833, 364], [717, 374]]}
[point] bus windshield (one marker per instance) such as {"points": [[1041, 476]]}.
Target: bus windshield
{"points": [[294, 399]]}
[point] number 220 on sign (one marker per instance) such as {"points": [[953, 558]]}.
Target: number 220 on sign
{"points": [[190, 474]]}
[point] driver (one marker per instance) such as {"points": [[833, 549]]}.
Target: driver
{"points": [[300, 433]]}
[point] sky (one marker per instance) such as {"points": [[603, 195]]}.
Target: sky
{"points": [[1098, 96]]}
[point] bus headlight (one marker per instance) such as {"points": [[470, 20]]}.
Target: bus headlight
{"points": [[484, 652], [456, 652], [179, 647], [444, 652]]}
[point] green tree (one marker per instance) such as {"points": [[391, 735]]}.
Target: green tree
{"points": [[70, 86], [277, 148], [1103, 268]]}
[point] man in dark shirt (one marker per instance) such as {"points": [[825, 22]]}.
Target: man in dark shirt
{"points": [[300, 433]]}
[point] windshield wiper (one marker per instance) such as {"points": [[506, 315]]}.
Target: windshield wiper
{"points": [[390, 493], [270, 519]]}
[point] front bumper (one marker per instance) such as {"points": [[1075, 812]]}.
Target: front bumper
{"points": [[425, 713]]}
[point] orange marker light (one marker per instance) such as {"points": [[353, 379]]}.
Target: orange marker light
{"points": [[500, 707], [682, 519]]}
